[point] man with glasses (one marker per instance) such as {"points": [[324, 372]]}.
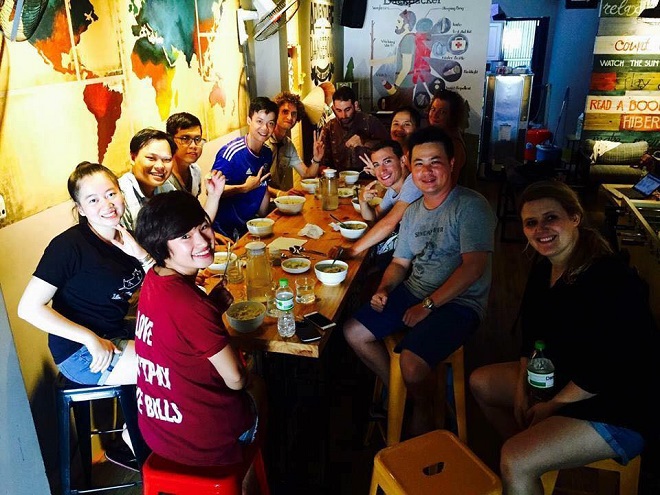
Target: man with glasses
{"points": [[186, 129]]}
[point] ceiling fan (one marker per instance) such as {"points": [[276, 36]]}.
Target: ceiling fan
{"points": [[269, 17], [19, 18]]}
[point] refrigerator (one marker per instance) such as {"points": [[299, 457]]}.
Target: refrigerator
{"points": [[506, 114]]}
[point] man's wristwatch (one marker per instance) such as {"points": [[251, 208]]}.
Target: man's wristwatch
{"points": [[427, 303]]}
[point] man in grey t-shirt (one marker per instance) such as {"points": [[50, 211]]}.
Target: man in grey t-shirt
{"points": [[436, 287]]}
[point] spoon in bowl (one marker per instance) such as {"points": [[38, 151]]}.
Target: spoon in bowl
{"points": [[341, 224], [339, 253]]}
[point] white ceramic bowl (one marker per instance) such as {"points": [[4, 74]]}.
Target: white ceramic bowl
{"points": [[309, 185], [355, 231], [331, 278], [356, 204], [296, 265], [220, 261], [290, 205], [260, 226], [350, 176], [246, 323]]}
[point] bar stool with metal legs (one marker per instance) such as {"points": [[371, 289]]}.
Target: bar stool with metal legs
{"points": [[71, 395], [396, 400], [433, 463], [628, 475]]}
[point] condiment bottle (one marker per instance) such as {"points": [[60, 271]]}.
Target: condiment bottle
{"points": [[258, 276]]}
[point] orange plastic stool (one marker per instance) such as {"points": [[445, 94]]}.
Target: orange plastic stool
{"points": [[436, 462], [161, 475]]}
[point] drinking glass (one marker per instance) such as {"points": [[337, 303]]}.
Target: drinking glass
{"points": [[271, 302], [305, 290], [235, 271]]}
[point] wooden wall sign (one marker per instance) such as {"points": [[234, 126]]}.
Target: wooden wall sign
{"points": [[624, 93]]}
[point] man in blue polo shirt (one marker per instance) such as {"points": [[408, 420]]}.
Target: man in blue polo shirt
{"points": [[245, 162]]}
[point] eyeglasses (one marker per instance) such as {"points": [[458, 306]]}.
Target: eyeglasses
{"points": [[186, 140]]}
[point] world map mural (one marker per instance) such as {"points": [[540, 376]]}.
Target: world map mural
{"points": [[94, 73]]}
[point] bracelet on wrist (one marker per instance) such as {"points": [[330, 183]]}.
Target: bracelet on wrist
{"points": [[314, 160]]}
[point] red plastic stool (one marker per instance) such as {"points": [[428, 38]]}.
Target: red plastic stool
{"points": [[162, 476]]}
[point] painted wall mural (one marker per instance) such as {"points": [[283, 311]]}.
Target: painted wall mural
{"points": [[322, 66], [416, 48], [97, 71]]}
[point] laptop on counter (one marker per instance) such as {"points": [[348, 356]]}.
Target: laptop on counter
{"points": [[646, 186]]}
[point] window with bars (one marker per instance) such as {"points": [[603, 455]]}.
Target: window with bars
{"points": [[518, 42]]}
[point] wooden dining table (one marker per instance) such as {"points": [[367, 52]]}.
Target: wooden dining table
{"points": [[330, 300]]}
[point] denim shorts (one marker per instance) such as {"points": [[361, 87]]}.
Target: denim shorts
{"points": [[76, 366], [626, 443], [434, 338]]}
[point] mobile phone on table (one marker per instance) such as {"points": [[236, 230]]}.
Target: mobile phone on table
{"points": [[319, 321], [306, 332]]}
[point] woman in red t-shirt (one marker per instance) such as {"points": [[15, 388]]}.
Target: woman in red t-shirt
{"points": [[193, 401]]}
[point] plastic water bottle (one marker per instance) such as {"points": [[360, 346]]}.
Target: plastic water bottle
{"points": [[540, 375], [286, 322]]}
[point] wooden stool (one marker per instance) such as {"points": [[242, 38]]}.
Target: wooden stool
{"points": [[396, 400], [79, 397], [436, 462], [164, 476], [628, 475]]}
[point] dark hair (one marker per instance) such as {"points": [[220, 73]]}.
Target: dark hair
{"points": [[415, 116], [409, 18], [164, 217], [85, 169], [458, 108], [145, 136], [431, 134], [288, 97], [181, 120], [262, 103], [387, 143], [590, 246], [345, 93]]}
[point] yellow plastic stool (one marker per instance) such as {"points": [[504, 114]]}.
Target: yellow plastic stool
{"points": [[396, 400], [628, 475], [433, 463]]}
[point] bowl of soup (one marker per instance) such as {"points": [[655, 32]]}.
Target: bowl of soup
{"points": [[296, 265], [260, 226], [309, 185], [290, 205], [246, 316], [330, 273], [352, 229], [350, 176], [220, 261], [373, 202]]}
